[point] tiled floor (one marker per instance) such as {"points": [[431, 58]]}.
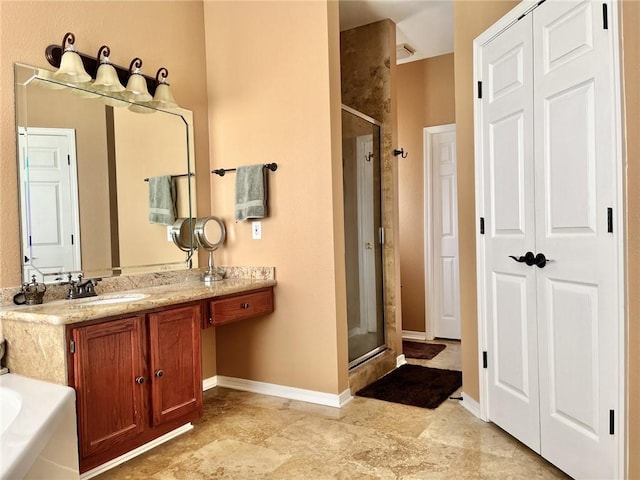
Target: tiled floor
{"points": [[249, 436]]}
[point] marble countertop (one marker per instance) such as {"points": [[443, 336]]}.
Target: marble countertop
{"points": [[61, 312]]}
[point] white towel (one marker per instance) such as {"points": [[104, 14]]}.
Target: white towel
{"points": [[162, 200], [251, 192]]}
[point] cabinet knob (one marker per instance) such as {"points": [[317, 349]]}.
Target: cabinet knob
{"points": [[210, 320], [159, 373], [139, 380], [245, 305]]}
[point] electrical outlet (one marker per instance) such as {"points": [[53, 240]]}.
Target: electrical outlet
{"points": [[256, 230]]}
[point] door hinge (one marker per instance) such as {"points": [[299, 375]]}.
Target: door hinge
{"points": [[479, 89], [485, 361], [72, 239], [481, 225], [30, 240], [605, 17], [69, 160], [609, 220], [72, 346], [612, 420], [381, 234]]}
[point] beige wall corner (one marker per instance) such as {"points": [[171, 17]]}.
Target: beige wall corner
{"points": [[271, 76], [469, 19], [426, 98], [333, 15]]}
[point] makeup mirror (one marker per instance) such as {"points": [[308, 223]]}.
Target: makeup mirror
{"points": [[210, 234]]}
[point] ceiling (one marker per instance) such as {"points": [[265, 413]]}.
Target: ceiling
{"points": [[426, 25]]}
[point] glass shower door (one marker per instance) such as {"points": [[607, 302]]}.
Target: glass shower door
{"points": [[363, 235]]}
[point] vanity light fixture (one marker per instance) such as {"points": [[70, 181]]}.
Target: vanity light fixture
{"points": [[136, 90], [163, 97], [71, 68], [107, 80]]}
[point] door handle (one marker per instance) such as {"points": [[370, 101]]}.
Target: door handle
{"points": [[541, 260], [530, 259]]}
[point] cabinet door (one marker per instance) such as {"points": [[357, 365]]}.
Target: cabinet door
{"points": [[109, 373], [176, 364]]}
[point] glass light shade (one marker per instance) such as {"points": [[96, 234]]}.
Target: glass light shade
{"points": [[137, 108], [163, 97], [84, 90], [136, 90], [71, 68], [112, 101], [107, 79], [46, 79]]}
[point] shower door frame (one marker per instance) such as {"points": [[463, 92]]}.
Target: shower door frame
{"points": [[381, 348]]}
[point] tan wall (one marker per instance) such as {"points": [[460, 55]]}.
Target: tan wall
{"points": [[272, 81], [631, 59], [470, 19], [131, 29], [425, 98]]}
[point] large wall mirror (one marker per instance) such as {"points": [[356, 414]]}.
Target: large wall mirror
{"points": [[84, 162]]}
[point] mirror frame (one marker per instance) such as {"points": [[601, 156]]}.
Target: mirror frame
{"points": [[25, 74]]}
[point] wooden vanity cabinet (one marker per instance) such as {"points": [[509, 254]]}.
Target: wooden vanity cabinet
{"points": [[240, 306], [176, 363], [109, 361], [136, 378]]}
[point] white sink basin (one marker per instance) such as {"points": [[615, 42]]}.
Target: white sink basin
{"points": [[110, 299]]}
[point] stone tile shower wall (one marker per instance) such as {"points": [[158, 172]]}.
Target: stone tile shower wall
{"points": [[368, 58]]}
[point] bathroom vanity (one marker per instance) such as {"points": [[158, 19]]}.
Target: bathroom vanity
{"points": [[134, 358]]}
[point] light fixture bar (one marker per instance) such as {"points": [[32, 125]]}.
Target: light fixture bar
{"points": [[53, 54]]}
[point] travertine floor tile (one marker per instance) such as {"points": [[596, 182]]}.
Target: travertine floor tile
{"points": [[248, 436]]}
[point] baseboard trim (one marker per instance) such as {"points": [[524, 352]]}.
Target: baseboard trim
{"points": [[291, 393], [414, 336], [209, 383], [400, 360], [135, 452], [470, 405]]}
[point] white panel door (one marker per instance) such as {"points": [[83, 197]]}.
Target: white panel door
{"points": [[446, 278], [512, 344], [50, 228], [575, 187], [548, 183]]}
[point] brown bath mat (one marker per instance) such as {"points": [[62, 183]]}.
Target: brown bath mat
{"points": [[415, 385], [423, 351]]}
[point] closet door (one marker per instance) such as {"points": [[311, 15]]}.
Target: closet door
{"points": [[508, 178], [575, 186]]}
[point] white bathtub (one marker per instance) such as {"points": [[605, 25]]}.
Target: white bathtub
{"points": [[38, 436]]}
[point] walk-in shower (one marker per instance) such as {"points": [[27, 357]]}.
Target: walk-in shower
{"points": [[364, 235]]}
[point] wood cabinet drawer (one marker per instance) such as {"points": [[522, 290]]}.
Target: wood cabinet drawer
{"points": [[240, 307]]}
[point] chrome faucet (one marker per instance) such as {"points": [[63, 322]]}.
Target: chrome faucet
{"points": [[82, 288]]}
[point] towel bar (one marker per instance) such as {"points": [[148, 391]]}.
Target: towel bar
{"points": [[221, 171], [180, 175]]}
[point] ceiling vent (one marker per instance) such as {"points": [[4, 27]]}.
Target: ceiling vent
{"points": [[404, 50]]}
